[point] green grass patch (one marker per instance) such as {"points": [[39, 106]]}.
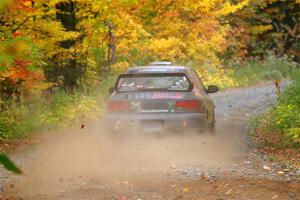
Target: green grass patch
{"points": [[285, 117], [278, 131], [240, 74], [58, 111]]}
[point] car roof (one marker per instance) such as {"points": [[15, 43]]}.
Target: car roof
{"points": [[161, 63], [157, 69]]}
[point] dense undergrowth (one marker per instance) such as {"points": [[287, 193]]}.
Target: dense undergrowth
{"points": [[286, 115], [62, 109], [278, 131]]}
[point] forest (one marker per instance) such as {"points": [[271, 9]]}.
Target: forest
{"points": [[59, 57]]}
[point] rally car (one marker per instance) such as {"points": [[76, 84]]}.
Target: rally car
{"points": [[160, 97]]}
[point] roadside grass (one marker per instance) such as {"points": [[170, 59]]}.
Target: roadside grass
{"points": [[241, 74], [278, 131], [59, 111], [19, 119]]}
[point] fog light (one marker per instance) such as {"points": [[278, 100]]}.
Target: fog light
{"points": [[184, 123], [117, 125]]}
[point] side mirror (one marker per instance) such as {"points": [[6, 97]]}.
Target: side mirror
{"points": [[212, 89], [111, 90]]}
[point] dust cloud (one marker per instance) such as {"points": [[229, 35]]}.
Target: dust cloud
{"points": [[71, 158]]}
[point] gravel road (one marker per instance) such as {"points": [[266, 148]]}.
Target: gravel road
{"points": [[89, 164]]}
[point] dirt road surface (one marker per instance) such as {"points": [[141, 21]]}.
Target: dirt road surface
{"points": [[90, 164]]}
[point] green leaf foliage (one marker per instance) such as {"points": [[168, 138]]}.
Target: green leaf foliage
{"points": [[9, 164], [285, 116]]}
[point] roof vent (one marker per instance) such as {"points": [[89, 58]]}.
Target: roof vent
{"points": [[160, 63]]}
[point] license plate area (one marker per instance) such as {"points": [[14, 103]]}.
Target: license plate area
{"points": [[152, 125]]}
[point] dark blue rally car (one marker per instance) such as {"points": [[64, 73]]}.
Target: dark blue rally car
{"points": [[160, 97]]}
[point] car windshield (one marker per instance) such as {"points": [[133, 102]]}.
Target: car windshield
{"points": [[159, 83]]}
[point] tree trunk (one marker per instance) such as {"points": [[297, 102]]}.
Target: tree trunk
{"points": [[111, 52]]}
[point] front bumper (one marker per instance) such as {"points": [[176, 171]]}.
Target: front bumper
{"points": [[156, 122]]}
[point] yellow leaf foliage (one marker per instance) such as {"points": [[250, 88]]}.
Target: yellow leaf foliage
{"points": [[261, 29]]}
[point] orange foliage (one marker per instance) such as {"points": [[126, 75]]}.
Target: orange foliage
{"points": [[16, 34], [20, 71], [25, 5]]}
